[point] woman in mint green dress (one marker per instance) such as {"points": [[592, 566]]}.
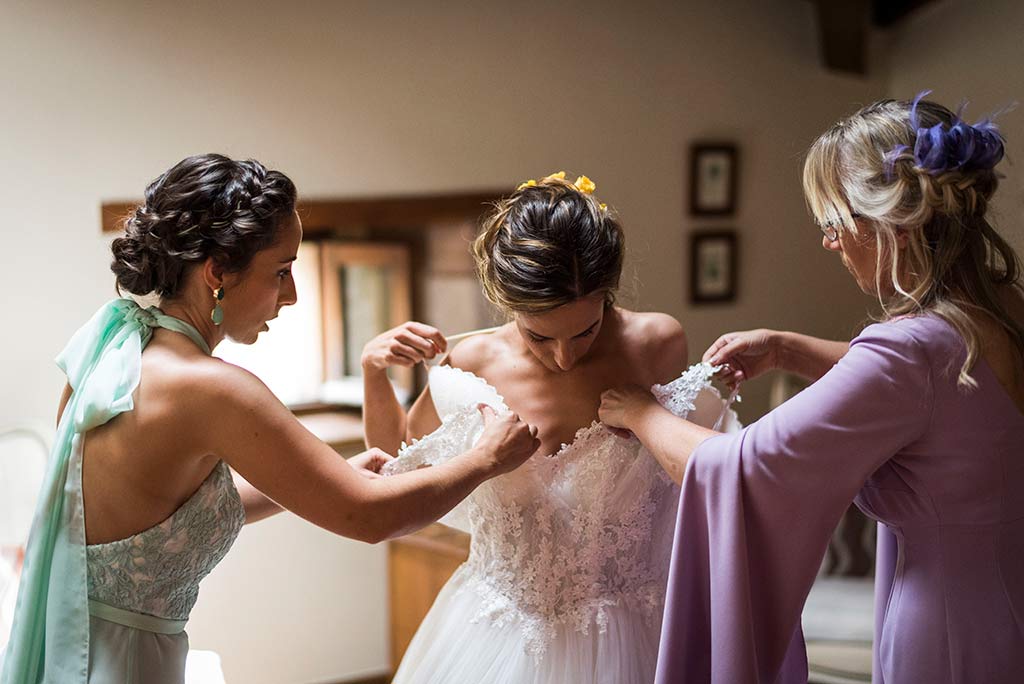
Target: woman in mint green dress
{"points": [[139, 502]]}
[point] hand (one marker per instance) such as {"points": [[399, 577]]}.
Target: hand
{"points": [[406, 345], [369, 462], [506, 439], [746, 354], [620, 406]]}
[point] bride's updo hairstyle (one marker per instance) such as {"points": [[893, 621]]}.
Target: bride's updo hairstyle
{"points": [[548, 244], [206, 205], [917, 169]]}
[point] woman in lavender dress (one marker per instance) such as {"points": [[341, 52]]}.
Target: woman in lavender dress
{"points": [[920, 419]]}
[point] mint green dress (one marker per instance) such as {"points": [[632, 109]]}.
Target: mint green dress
{"points": [[116, 612]]}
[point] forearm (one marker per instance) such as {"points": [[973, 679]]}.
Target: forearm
{"points": [[256, 504], [405, 503], [384, 418], [806, 356], [672, 440]]}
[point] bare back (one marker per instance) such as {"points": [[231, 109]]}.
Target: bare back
{"points": [[999, 352], [140, 467]]}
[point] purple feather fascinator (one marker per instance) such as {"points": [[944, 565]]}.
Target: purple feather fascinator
{"points": [[961, 146]]}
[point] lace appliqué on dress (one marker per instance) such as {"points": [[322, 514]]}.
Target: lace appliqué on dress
{"points": [[554, 562], [679, 395], [566, 538], [158, 571]]}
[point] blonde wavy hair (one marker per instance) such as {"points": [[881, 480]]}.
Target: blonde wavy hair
{"points": [[548, 244], [955, 264]]}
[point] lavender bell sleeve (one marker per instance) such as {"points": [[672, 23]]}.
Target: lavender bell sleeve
{"points": [[758, 508]]}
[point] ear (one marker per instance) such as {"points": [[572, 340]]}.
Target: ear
{"points": [[213, 273]]}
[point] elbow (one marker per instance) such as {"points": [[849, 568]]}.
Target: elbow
{"points": [[362, 529], [383, 534], [374, 527]]}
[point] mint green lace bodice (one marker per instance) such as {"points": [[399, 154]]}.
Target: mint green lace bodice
{"points": [[157, 571]]}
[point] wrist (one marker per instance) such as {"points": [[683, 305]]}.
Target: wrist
{"points": [[483, 461], [370, 369], [638, 416], [781, 344]]}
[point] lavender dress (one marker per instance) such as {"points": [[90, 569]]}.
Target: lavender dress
{"points": [[940, 469]]}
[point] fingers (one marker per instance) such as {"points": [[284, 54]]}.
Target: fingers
{"points": [[403, 356], [729, 350], [426, 347], [381, 457], [487, 412], [712, 351], [429, 332], [406, 345]]}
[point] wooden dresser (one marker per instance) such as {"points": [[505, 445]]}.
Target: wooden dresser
{"points": [[418, 566]]}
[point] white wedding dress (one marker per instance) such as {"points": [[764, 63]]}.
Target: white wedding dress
{"points": [[565, 581]]}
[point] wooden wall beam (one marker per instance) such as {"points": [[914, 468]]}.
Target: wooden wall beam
{"points": [[324, 216]]}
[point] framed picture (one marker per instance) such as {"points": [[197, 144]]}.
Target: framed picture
{"points": [[712, 179], [713, 266]]}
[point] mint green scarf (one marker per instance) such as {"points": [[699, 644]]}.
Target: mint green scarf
{"points": [[50, 637]]}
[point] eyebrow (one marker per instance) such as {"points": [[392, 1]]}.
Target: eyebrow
{"points": [[544, 337], [288, 260]]}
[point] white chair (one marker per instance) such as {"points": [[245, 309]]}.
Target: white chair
{"points": [[838, 622], [24, 450]]}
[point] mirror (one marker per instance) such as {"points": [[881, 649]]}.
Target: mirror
{"points": [[365, 291]]}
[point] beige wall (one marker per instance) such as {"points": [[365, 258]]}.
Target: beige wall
{"points": [[400, 97], [971, 51]]}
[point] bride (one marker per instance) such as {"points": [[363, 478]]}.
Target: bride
{"points": [[569, 557]]}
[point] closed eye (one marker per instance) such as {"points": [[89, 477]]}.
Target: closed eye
{"points": [[586, 333]]}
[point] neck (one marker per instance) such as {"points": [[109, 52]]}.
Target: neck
{"points": [[197, 317]]}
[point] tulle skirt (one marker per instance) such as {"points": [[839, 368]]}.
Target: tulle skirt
{"points": [[456, 645]]}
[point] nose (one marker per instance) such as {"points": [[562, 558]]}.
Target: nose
{"points": [[289, 295], [564, 358]]}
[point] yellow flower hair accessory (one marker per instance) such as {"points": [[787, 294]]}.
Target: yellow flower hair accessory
{"points": [[585, 185], [582, 184]]}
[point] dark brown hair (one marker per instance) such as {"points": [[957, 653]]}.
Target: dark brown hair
{"points": [[546, 245], [204, 206]]}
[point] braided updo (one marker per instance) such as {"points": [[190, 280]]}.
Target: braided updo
{"points": [[546, 245], [915, 169], [204, 206]]}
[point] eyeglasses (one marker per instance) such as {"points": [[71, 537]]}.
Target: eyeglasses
{"points": [[831, 230]]}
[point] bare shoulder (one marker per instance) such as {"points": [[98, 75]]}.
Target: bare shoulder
{"points": [[654, 332], [475, 354], [658, 341], [207, 386]]}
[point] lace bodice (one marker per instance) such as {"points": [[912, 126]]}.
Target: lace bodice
{"points": [[158, 571], [569, 535]]}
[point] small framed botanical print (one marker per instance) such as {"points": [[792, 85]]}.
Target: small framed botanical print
{"points": [[713, 266], [713, 179]]}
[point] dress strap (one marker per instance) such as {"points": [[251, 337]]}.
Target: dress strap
{"points": [[179, 326]]}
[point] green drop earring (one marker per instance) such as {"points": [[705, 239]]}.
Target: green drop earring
{"points": [[217, 315]]}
